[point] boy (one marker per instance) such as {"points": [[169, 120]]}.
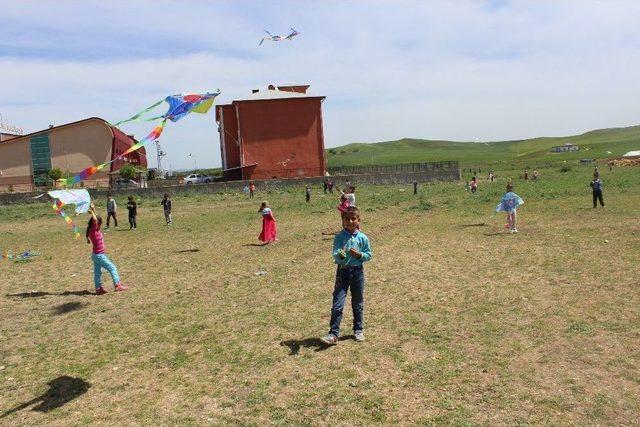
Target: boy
{"points": [[166, 204], [307, 194], [596, 185], [350, 250], [415, 187], [132, 207], [111, 210], [252, 189]]}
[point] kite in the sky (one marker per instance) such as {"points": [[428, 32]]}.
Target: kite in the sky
{"points": [[78, 197], [277, 38], [179, 106]]}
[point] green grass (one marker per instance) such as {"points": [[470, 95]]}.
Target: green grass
{"points": [[465, 324], [523, 153]]}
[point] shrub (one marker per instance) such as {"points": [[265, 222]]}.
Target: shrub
{"points": [[128, 172], [55, 174]]}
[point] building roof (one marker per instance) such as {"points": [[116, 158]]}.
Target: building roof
{"points": [[275, 94], [117, 133]]}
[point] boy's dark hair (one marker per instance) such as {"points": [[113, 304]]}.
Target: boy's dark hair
{"points": [[108, 194], [351, 209], [510, 186], [166, 195], [130, 197]]}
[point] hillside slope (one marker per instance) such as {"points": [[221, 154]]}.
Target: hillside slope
{"points": [[594, 144]]}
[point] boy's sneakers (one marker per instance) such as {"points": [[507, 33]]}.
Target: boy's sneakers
{"points": [[329, 339], [359, 336], [120, 287], [100, 291]]}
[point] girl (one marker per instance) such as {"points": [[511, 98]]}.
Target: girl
{"points": [[269, 231], [509, 203], [474, 185], [344, 203], [100, 260]]}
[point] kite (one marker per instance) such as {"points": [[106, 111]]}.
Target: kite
{"points": [[278, 38], [80, 198], [509, 202], [179, 106]]}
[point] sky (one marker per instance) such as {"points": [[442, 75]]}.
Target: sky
{"points": [[457, 70]]}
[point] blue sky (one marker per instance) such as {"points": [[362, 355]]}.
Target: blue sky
{"points": [[461, 70]]}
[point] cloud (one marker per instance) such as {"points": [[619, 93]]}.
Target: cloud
{"points": [[423, 69]]}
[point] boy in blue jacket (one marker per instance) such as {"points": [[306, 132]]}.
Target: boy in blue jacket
{"points": [[350, 250]]}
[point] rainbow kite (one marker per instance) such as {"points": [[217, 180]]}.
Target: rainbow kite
{"points": [[80, 198], [179, 106]]}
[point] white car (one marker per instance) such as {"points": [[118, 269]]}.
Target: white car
{"points": [[196, 178]]}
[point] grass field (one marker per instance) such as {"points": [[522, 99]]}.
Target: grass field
{"points": [[599, 144], [465, 324]]}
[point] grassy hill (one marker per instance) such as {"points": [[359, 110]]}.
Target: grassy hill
{"points": [[532, 152]]}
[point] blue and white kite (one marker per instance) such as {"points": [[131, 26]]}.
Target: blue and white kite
{"points": [[277, 38]]}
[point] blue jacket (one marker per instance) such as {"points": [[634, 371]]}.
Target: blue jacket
{"points": [[345, 241]]}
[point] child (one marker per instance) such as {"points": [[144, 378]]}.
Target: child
{"points": [[350, 250], [596, 185], [111, 210], [415, 187], [252, 188], [344, 203], [132, 207], [350, 195], [474, 185], [307, 194], [100, 260], [166, 204], [269, 232], [509, 203]]}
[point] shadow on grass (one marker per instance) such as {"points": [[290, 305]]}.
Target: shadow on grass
{"points": [[256, 244], [43, 294], [68, 307], [295, 345], [182, 251], [61, 391], [480, 224]]}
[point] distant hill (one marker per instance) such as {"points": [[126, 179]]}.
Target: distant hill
{"points": [[593, 144]]}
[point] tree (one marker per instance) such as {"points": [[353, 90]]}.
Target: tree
{"points": [[151, 174], [55, 174], [128, 171]]}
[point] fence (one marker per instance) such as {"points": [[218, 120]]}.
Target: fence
{"points": [[448, 166]]}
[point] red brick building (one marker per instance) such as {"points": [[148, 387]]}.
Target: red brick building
{"points": [[274, 133]]}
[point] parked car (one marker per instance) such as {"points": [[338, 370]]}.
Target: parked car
{"points": [[121, 183], [196, 178]]}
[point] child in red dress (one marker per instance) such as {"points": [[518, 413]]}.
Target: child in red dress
{"points": [[269, 232]]}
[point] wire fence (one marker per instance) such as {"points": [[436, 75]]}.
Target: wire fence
{"points": [[403, 167]]}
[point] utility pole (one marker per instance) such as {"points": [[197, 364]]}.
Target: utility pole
{"points": [[159, 155]]}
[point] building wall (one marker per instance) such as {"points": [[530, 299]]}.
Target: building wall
{"points": [[283, 136], [73, 148], [229, 136]]}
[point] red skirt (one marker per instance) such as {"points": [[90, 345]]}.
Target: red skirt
{"points": [[269, 231]]}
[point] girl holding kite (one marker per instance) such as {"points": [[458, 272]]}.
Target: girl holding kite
{"points": [[509, 203], [100, 259]]}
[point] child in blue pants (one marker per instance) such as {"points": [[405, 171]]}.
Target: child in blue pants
{"points": [[350, 250]]}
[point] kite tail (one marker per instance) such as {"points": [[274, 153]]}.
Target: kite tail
{"points": [[57, 206], [137, 117]]}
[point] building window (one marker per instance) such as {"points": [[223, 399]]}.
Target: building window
{"points": [[40, 158]]}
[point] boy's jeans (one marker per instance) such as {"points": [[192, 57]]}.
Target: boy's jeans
{"points": [[101, 261], [167, 216], [348, 277]]}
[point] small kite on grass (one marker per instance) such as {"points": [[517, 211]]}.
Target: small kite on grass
{"points": [[278, 38]]}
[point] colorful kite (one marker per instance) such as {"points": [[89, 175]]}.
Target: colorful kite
{"points": [[509, 202], [278, 38], [80, 198], [179, 106]]}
